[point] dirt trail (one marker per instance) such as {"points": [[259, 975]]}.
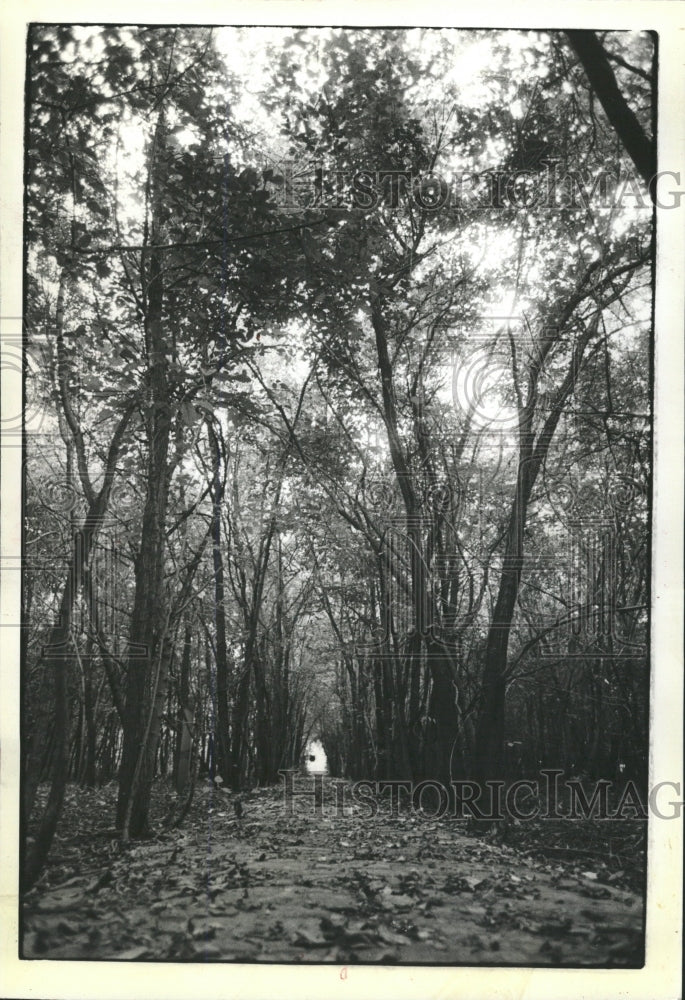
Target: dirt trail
{"points": [[318, 886]]}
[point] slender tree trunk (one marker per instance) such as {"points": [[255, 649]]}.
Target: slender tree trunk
{"points": [[184, 718], [222, 735], [490, 726], [88, 776], [489, 737], [443, 713], [240, 735], [38, 851]]}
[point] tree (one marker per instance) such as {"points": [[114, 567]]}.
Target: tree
{"points": [[595, 60]]}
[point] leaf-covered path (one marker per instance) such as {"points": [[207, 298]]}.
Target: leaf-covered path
{"points": [[318, 886]]}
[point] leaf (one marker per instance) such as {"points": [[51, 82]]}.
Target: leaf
{"points": [[398, 902], [306, 939], [76, 880], [382, 956], [595, 892], [390, 937], [132, 954], [206, 930], [209, 950], [473, 881], [61, 900], [205, 406]]}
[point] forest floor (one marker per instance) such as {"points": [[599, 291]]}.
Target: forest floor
{"points": [[333, 885]]}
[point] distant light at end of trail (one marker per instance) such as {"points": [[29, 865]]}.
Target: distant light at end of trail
{"points": [[315, 760]]}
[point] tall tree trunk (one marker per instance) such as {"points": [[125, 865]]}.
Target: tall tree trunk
{"points": [[184, 718], [239, 729], [489, 736], [88, 775], [442, 712], [222, 733], [58, 665], [148, 661]]}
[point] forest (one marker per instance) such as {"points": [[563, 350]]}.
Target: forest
{"points": [[338, 401]]}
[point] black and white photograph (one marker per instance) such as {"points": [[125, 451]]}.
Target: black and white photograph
{"points": [[339, 549]]}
